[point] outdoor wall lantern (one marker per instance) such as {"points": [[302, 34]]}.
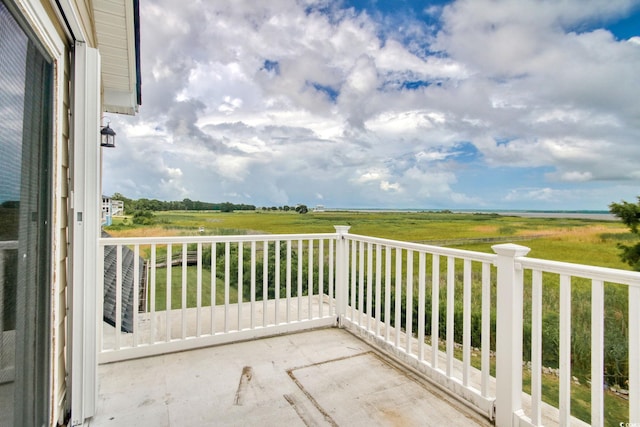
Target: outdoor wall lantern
{"points": [[107, 136]]}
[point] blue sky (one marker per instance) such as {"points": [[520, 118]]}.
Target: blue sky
{"points": [[470, 104]]}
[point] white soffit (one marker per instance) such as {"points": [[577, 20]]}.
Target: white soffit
{"points": [[115, 31]]}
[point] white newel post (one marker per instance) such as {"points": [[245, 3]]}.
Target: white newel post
{"points": [[342, 273], [508, 333]]}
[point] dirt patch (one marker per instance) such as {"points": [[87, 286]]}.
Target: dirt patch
{"points": [[143, 232], [243, 384], [486, 229]]}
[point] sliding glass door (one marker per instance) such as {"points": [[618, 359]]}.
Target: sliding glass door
{"points": [[25, 223]]}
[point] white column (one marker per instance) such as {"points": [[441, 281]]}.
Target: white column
{"points": [[85, 226], [342, 273], [508, 333]]}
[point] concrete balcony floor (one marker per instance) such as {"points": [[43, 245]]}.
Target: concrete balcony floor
{"points": [[325, 377]]}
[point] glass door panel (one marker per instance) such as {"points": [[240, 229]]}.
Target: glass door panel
{"points": [[25, 141]]}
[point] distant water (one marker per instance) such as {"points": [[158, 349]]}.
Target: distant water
{"points": [[577, 214], [599, 215]]}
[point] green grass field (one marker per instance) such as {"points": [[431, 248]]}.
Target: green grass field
{"points": [[190, 287], [574, 240]]}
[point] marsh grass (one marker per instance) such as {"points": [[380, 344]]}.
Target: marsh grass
{"points": [[407, 226]]}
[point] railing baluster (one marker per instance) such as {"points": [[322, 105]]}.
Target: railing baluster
{"points": [[397, 323], [451, 290], [199, 290], [277, 287], [486, 328], [354, 276], [167, 302], [214, 286], [331, 283], [378, 287], [118, 295], [183, 314], [565, 350], [136, 293], [409, 303], [265, 280], [597, 352], [152, 300], [299, 281], [253, 285], [466, 322], [321, 244], [240, 286], [387, 292], [361, 295], [435, 311], [536, 347], [227, 282], [422, 267], [288, 283], [342, 274], [310, 278], [369, 284]]}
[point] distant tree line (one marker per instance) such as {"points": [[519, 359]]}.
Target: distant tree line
{"points": [[139, 206], [131, 206], [302, 209]]}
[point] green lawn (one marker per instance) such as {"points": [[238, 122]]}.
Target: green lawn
{"points": [[191, 288]]}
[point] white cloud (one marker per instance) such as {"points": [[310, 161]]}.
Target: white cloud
{"points": [[285, 102], [577, 176], [535, 194], [174, 172], [371, 175], [388, 186]]}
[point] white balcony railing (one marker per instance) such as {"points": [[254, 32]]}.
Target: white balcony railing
{"points": [[416, 302], [229, 288]]}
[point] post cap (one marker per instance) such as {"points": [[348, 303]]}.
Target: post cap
{"points": [[510, 249]]}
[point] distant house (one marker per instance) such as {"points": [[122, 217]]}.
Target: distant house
{"points": [[319, 208], [111, 208], [117, 208], [106, 211]]}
